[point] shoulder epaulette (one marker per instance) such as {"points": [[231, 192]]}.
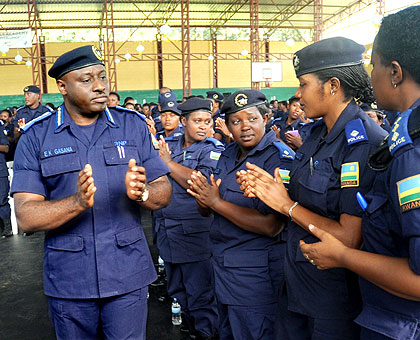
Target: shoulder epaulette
{"points": [[36, 120], [216, 142], [355, 132], [285, 151], [277, 119], [120, 108], [20, 107], [48, 108]]}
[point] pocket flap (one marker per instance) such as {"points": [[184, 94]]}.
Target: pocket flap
{"points": [[393, 325], [120, 154], [60, 165], [251, 258], [66, 243], [126, 237], [197, 225], [317, 182], [376, 203]]}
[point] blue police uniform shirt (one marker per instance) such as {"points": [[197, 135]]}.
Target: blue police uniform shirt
{"points": [[328, 170], [179, 131], [305, 129], [248, 266], [216, 115], [3, 141], [391, 227], [103, 252], [182, 233], [284, 127], [30, 114]]}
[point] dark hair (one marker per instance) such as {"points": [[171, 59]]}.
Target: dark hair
{"points": [[116, 94], [146, 104], [8, 112], [283, 102], [354, 80], [398, 39], [127, 99], [293, 99], [51, 105]]}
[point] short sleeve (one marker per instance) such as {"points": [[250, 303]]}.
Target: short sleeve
{"points": [[208, 159], [355, 176], [151, 160], [27, 175], [405, 198]]}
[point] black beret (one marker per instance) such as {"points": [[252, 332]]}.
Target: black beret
{"points": [[170, 106], [241, 100], [76, 59], [327, 53], [32, 88], [215, 95], [166, 97], [195, 104]]}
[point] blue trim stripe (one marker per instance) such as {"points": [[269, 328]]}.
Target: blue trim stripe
{"points": [[409, 183], [109, 116], [33, 121]]}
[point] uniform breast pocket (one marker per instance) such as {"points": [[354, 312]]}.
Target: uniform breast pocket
{"points": [[236, 196], [313, 191], [60, 164], [121, 154]]}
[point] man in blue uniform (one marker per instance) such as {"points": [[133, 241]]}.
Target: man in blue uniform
{"points": [[6, 225], [182, 233], [81, 175], [32, 109]]}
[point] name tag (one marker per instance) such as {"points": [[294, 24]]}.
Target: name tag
{"points": [[57, 151]]}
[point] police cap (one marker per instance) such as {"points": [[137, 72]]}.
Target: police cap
{"points": [[217, 96], [170, 106], [327, 53], [32, 88], [241, 100], [195, 104], [76, 59], [166, 97]]}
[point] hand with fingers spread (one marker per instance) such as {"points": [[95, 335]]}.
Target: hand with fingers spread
{"points": [[21, 123], [85, 188], [151, 125], [221, 125], [135, 180], [207, 195], [326, 253], [164, 151], [272, 192], [295, 141], [276, 129], [242, 180]]}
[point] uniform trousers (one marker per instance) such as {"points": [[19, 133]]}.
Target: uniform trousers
{"points": [[192, 284], [5, 211], [121, 317]]}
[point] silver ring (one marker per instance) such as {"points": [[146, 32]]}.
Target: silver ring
{"points": [[312, 261]]}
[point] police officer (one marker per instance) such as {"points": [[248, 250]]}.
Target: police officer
{"points": [[33, 108], [248, 247], [81, 175], [170, 116], [182, 233], [5, 212], [217, 100], [389, 263], [328, 170]]}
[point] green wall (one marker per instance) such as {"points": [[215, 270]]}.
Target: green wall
{"points": [[280, 93]]}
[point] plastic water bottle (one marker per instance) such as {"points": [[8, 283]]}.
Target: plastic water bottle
{"points": [[176, 313], [161, 266]]}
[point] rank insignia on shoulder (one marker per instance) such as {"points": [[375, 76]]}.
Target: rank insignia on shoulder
{"points": [[350, 175], [155, 142], [215, 155], [409, 193], [355, 131], [399, 135], [285, 175]]}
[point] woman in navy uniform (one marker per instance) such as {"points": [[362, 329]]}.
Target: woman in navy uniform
{"points": [[389, 264], [248, 247], [182, 233], [170, 116], [329, 168]]}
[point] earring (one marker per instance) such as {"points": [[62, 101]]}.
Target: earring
{"points": [[394, 84], [332, 92]]}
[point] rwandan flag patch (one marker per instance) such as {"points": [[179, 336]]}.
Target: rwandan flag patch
{"points": [[409, 193], [214, 155], [284, 174], [350, 175]]}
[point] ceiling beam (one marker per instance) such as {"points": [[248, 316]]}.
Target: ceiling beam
{"points": [[346, 12]]}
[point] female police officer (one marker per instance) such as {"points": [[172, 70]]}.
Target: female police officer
{"points": [[390, 264], [328, 170], [248, 249]]}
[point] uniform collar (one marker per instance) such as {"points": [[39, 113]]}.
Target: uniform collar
{"points": [[63, 119], [349, 113]]}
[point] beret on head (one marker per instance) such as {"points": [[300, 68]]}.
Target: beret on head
{"points": [[170, 106], [195, 104], [327, 53], [166, 97], [76, 59], [215, 95], [241, 100], [32, 88]]}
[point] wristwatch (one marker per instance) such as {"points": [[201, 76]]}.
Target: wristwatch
{"points": [[144, 196]]}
